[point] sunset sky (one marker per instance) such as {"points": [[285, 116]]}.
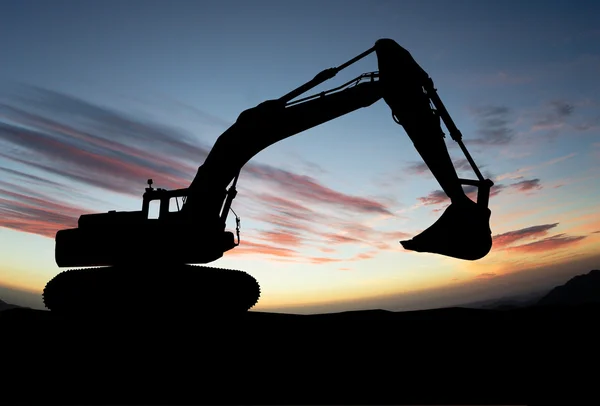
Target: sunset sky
{"points": [[98, 96]]}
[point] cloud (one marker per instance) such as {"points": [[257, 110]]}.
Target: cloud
{"points": [[56, 141], [527, 185], [323, 260], [29, 177], [438, 197], [286, 238], [494, 126], [127, 151], [559, 115], [554, 116], [253, 248], [299, 226], [37, 215], [307, 188], [486, 275], [510, 237], [521, 172], [434, 198], [420, 168], [506, 240], [548, 244]]}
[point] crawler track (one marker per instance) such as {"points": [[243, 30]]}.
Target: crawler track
{"points": [[151, 290]]}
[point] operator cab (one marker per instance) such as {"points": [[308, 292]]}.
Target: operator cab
{"points": [[124, 218], [165, 198]]}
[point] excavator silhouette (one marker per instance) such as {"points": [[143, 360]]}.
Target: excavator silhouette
{"points": [[141, 264]]}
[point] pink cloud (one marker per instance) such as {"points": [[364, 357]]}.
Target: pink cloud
{"points": [[548, 244], [438, 197], [527, 185], [281, 237], [36, 215], [253, 248], [88, 145], [510, 237], [308, 188]]}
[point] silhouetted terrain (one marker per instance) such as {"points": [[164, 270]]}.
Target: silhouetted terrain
{"points": [[578, 290], [508, 302], [441, 356], [6, 306]]}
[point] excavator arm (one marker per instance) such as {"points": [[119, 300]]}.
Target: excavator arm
{"points": [[415, 104], [264, 125]]}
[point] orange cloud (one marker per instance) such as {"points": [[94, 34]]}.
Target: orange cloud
{"points": [[508, 238], [249, 247], [281, 237], [340, 239], [323, 260], [486, 275], [548, 244], [365, 255]]}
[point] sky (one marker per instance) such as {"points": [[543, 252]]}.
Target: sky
{"points": [[98, 96]]}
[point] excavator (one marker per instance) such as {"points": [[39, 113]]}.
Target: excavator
{"points": [[126, 261]]}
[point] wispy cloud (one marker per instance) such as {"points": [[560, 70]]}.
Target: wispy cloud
{"points": [[521, 172], [507, 240], [420, 168], [55, 141], [98, 147], [35, 214], [294, 224], [527, 185], [486, 275], [439, 197], [548, 244], [510, 237], [561, 116], [308, 188], [502, 77], [494, 125], [554, 116]]}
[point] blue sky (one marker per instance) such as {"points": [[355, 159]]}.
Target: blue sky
{"points": [[520, 79]]}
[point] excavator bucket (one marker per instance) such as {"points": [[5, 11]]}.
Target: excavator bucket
{"points": [[463, 231]]}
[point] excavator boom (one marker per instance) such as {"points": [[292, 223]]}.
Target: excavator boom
{"points": [[265, 125]]}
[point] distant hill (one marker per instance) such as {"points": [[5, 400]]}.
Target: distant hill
{"points": [[508, 302], [6, 306], [580, 289]]}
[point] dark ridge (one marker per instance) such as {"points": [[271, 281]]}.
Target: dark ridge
{"points": [[578, 290], [7, 306], [441, 356]]}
